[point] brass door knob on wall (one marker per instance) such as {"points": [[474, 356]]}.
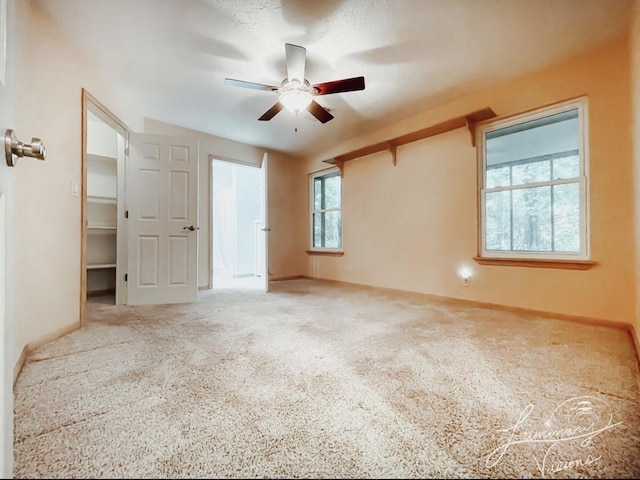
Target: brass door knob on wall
{"points": [[14, 148]]}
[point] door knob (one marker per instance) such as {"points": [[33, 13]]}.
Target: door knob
{"points": [[190, 227], [14, 148]]}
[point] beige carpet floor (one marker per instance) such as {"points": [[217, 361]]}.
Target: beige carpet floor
{"points": [[321, 380]]}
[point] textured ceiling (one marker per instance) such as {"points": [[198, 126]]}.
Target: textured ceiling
{"points": [[172, 56]]}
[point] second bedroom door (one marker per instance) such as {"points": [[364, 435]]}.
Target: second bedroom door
{"points": [[162, 204]]}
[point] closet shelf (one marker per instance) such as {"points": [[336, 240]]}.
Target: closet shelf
{"points": [[102, 158], [101, 265], [101, 229], [469, 120], [100, 199]]}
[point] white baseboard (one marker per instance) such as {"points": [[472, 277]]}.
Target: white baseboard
{"points": [[29, 347]]}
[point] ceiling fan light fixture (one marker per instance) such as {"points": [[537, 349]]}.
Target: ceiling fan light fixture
{"points": [[295, 100], [295, 91]]}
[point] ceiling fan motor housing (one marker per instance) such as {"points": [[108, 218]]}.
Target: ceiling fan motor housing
{"points": [[295, 84]]}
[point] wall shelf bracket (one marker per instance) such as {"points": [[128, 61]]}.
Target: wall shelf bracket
{"points": [[392, 149], [471, 125]]}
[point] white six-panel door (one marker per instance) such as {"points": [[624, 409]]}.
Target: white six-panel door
{"points": [[162, 201]]}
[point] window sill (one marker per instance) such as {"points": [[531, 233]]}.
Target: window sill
{"points": [[535, 262], [326, 253]]}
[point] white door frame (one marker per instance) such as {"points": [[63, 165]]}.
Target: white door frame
{"points": [[10, 104], [264, 185], [90, 103]]}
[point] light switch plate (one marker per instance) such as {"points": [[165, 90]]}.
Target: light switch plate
{"points": [[75, 189]]}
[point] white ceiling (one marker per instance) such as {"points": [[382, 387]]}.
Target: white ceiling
{"points": [[172, 56]]}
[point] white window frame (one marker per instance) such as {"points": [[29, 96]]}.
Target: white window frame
{"points": [[312, 210], [581, 104]]}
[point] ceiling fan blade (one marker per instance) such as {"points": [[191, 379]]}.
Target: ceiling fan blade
{"points": [[338, 86], [319, 112], [296, 58], [256, 86], [269, 114]]}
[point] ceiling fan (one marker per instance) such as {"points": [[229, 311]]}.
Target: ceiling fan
{"points": [[296, 93]]}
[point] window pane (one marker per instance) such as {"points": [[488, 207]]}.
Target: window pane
{"points": [[566, 217], [498, 177], [327, 230], [333, 230], [532, 219], [498, 221], [534, 139], [566, 167], [317, 194], [327, 225], [332, 192], [317, 229], [531, 172]]}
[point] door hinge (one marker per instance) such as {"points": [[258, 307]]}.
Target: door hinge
{"points": [[126, 277], [126, 151], [126, 214]]}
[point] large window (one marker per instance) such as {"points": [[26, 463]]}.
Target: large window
{"points": [[326, 210], [534, 184]]}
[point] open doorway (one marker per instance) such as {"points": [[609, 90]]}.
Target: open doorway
{"points": [[238, 247], [104, 252]]}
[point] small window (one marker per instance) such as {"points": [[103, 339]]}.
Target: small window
{"points": [[326, 210], [534, 184]]}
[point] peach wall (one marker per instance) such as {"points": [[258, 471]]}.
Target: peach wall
{"points": [[412, 226], [287, 217]]}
